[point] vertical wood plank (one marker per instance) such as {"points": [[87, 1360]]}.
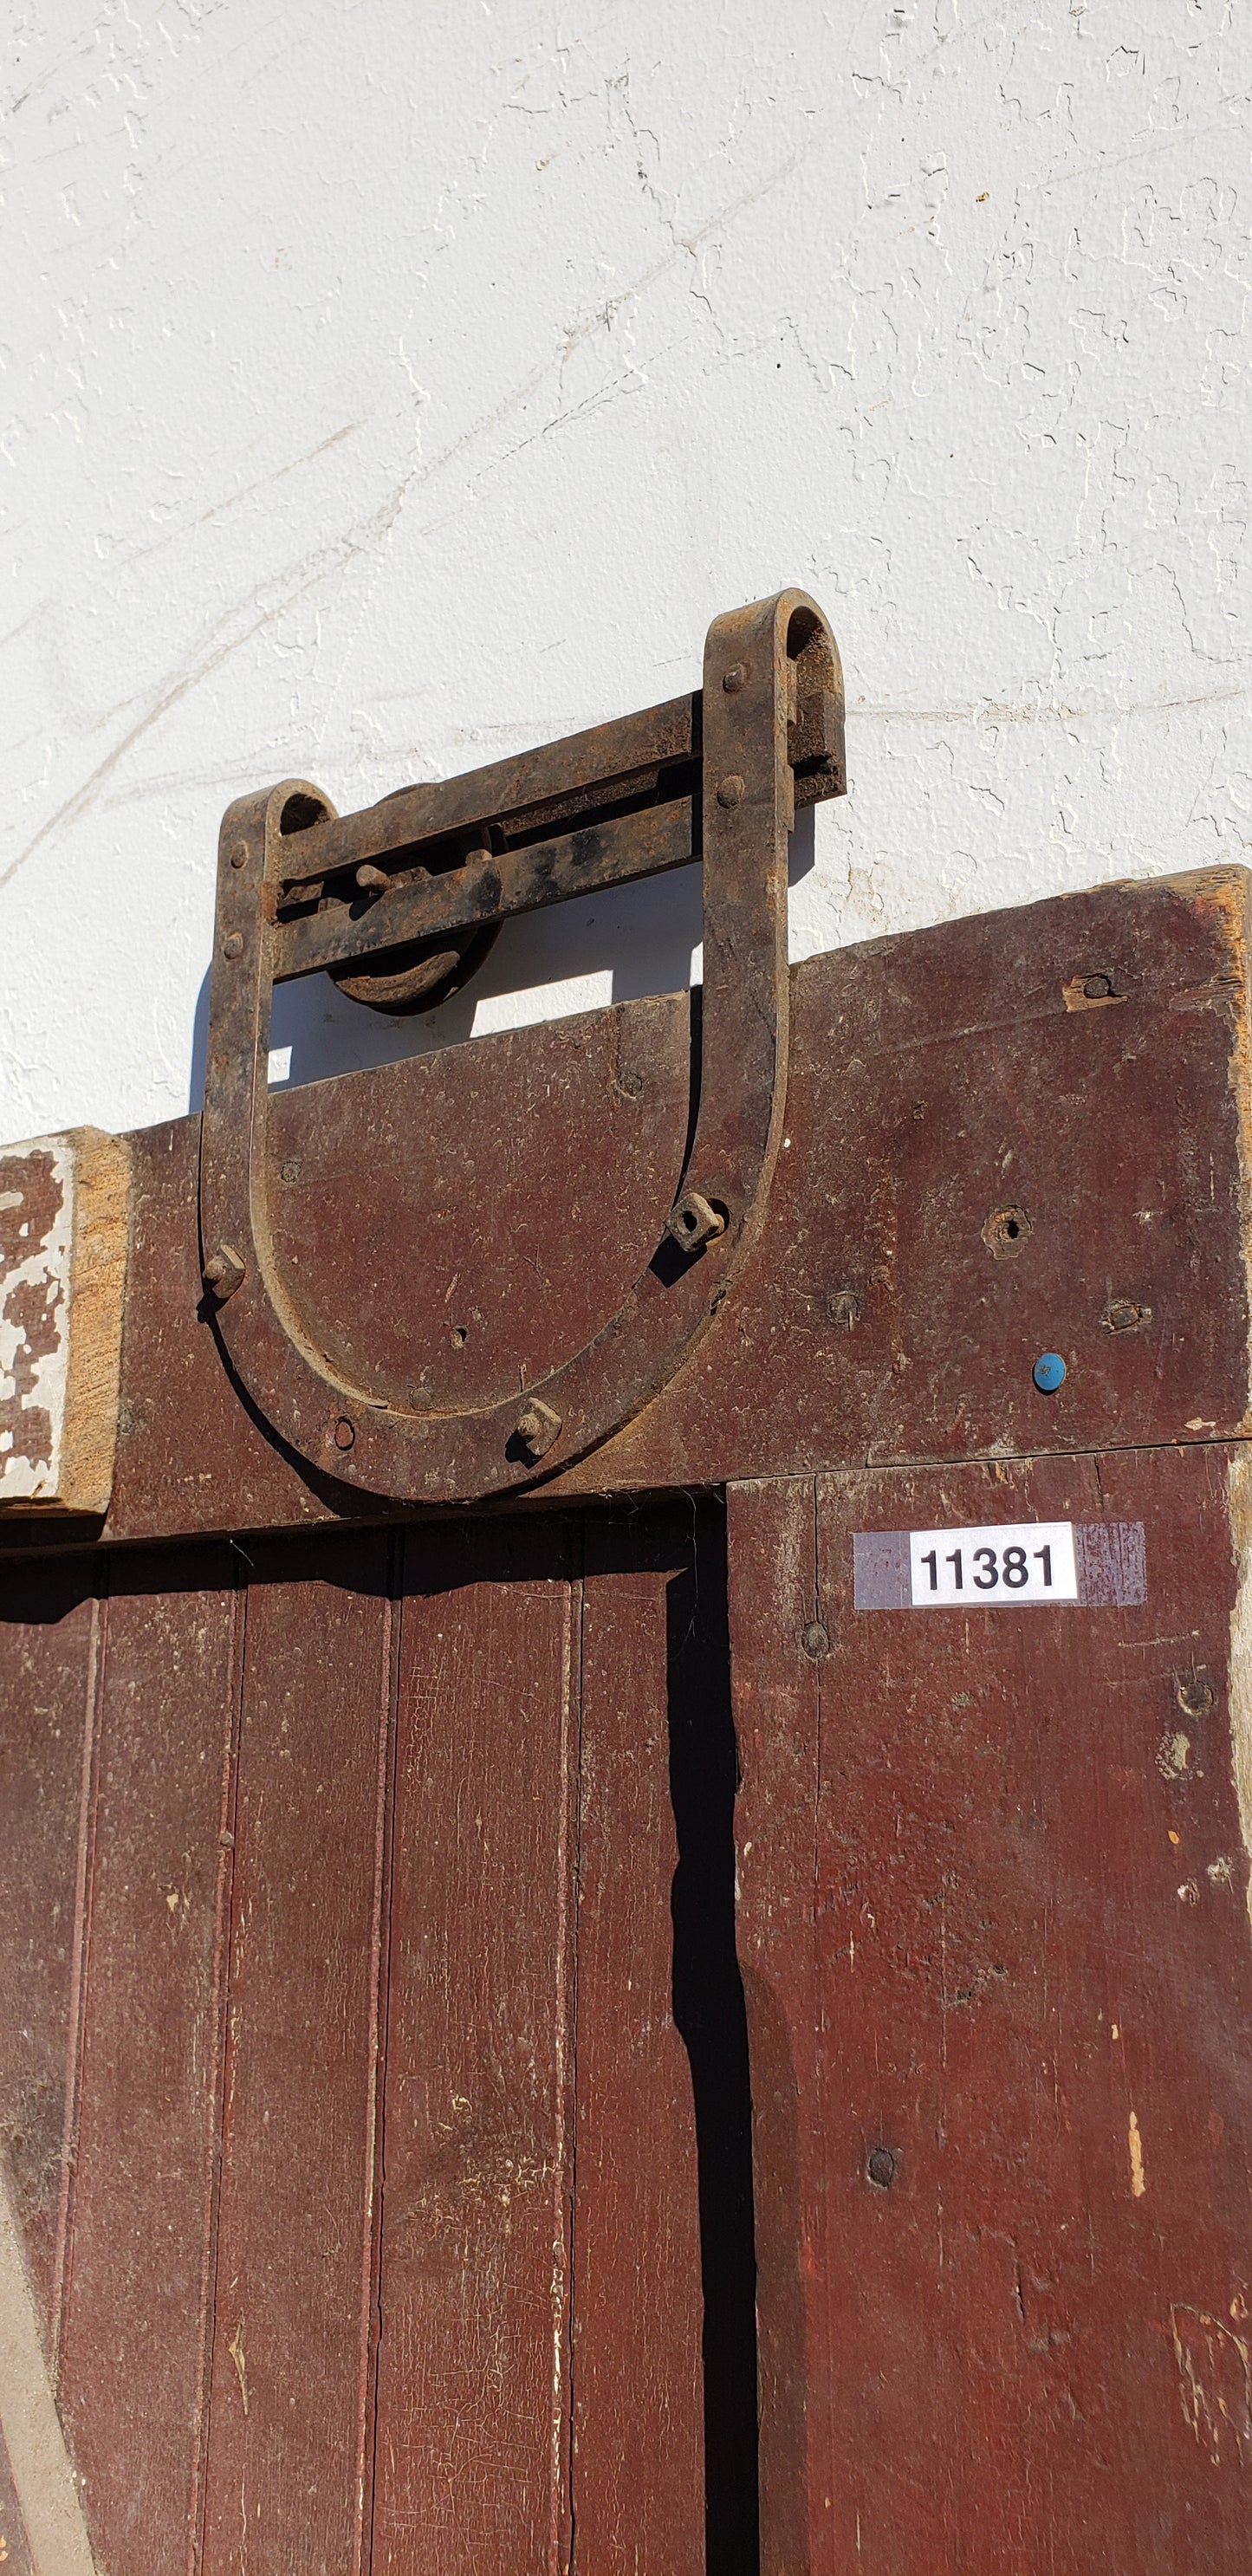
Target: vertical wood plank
{"points": [[286, 2464], [774, 1598], [639, 2463], [1020, 2015], [138, 2240], [472, 2423], [47, 1633]]}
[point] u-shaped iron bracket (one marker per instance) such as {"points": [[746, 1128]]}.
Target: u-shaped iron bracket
{"points": [[768, 732]]}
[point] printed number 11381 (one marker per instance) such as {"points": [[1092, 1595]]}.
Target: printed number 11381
{"points": [[1021, 1562]]}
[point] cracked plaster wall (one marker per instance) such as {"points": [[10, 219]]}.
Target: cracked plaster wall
{"points": [[388, 388]]}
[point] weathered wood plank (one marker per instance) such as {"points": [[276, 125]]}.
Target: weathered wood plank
{"points": [[63, 1220], [287, 2446], [472, 2424], [139, 2242], [1020, 2043], [775, 1604], [639, 2470], [48, 1622], [944, 1087]]}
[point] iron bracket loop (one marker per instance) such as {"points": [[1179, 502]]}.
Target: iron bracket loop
{"points": [[769, 729]]}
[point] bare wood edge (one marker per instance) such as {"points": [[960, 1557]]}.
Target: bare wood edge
{"points": [[85, 1275]]}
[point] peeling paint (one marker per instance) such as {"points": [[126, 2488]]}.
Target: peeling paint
{"points": [[1215, 2384], [1138, 2179]]}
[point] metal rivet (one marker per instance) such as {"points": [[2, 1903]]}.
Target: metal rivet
{"points": [[733, 679], [881, 2168], [815, 1641], [693, 1220], [232, 945], [239, 855], [537, 1427], [224, 1272], [730, 790], [630, 1084], [1048, 1372], [371, 880], [291, 1169], [345, 1432], [843, 1306]]}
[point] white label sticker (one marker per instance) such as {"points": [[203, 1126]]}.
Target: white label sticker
{"points": [[1000, 1568]]}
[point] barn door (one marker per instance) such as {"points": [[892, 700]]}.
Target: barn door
{"points": [[376, 2094], [625, 1744]]}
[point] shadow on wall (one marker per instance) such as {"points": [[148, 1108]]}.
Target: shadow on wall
{"points": [[633, 940]]}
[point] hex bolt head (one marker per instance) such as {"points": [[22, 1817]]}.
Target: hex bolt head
{"points": [[344, 1432], [239, 855], [692, 1220], [224, 1271], [537, 1426], [734, 679], [232, 945], [730, 790]]}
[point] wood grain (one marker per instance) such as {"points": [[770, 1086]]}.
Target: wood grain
{"points": [[286, 2464], [1021, 2046], [139, 2235], [472, 2410]]}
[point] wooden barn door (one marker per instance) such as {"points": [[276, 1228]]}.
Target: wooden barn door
{"points": [[376, 2095]]}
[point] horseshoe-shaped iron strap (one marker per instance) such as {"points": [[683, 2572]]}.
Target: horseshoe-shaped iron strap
{"points": [[772, 692]]}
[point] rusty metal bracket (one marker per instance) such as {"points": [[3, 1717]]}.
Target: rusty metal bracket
{"points": [[397, 901]]}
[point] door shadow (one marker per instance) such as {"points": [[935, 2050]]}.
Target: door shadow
{"points": [[710, 2016]]}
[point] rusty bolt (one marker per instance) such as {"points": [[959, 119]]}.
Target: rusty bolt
{"points": [[730, 790], [881, 2168], [371, 880], [1122, 1314], [693, 1221], [1098, 988], [232, 945], [815, 1641], [1195, 1695], [537, 1427], [224, 1271], [733, 679], [630, 1085], [291, 1169], [239, 855], [344, 1432], [843, 1306]]}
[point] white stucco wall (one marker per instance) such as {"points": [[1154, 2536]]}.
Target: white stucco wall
{"points": [[389, 386]]}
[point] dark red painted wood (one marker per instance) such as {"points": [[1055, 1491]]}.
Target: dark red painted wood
{"points": [[287, 2436], [638, 2396], [471, 2440], [139, 2238], [1029, 1984], [771, 1547], [47, 1691], [938, 1081]]}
